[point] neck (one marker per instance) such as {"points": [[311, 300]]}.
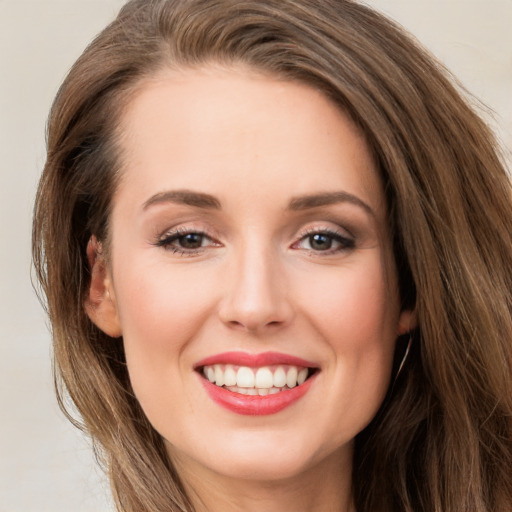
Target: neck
{"points": [[326, 487]]}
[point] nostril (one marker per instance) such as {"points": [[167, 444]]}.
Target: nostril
{"points": [[237, 325], [253, 326]]}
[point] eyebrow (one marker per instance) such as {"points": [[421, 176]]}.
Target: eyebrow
{"points": [[326, 199], [201, 200], [186, 197]]}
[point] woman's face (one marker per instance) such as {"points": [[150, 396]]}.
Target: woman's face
{"points": [[249, 252]]}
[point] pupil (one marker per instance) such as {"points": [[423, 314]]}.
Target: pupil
{"points": [[320, 242], [191, 241]]}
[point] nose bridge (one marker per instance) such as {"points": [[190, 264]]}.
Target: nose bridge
{"points": [[255, 295]]}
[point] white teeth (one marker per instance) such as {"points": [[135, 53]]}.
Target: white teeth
{"points": [[264, 378], [229, 376], [291, 377], [219, 375], [245, 377], [255, 391], [279, 377], [302, 376]]}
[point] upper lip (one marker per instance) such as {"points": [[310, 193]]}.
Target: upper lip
{"points": [[240, 358]]}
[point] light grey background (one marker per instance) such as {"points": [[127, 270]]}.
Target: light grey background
{"points": [[45, 465]]}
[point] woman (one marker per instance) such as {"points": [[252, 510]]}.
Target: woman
{"points": [[275, 244]]}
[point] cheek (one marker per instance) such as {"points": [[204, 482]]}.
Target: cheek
{"points": [[159, 307], [161, 311], [355, 312], [355, 307]]}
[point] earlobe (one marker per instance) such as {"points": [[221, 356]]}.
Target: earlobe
{"points": [[407, 321], [100, 304]]}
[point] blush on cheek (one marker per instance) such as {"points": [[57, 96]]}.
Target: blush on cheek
{"points": [[159, 301], [354, 306]]}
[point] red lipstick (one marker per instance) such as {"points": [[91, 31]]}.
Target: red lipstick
{"points": [[255, 360], [255, 405]]}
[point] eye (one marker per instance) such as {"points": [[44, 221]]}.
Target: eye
{"points": [[190, 241], [320, 242], [186, 242], [326, 241]]}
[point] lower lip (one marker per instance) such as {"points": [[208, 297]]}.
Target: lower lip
{"points": [[255, 405]]}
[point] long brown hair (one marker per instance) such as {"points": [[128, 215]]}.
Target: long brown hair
{"points": [[443, 438]]}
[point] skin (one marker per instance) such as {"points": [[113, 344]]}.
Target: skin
{"points": [[255, 282]]}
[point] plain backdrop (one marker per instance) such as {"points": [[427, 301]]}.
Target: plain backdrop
{"points": [[45, 464]]}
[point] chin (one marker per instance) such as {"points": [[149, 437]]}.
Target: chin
{"points": [[263, 467], [261, 456]]}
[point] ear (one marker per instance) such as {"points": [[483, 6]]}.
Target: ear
{"points": [[407, 321], [100, 304]]}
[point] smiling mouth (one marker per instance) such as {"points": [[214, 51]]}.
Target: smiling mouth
{"points": [[260, 381]]}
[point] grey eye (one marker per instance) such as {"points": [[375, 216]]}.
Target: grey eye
{"points": [[320, 242]]}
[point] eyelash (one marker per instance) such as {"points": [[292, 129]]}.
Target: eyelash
{"points": [[345, 243], [180, 233]]}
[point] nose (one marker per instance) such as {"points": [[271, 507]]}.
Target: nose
{"points": [[256, 297]]}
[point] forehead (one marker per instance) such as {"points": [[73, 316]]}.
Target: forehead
{"points": [[217, 127]]}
